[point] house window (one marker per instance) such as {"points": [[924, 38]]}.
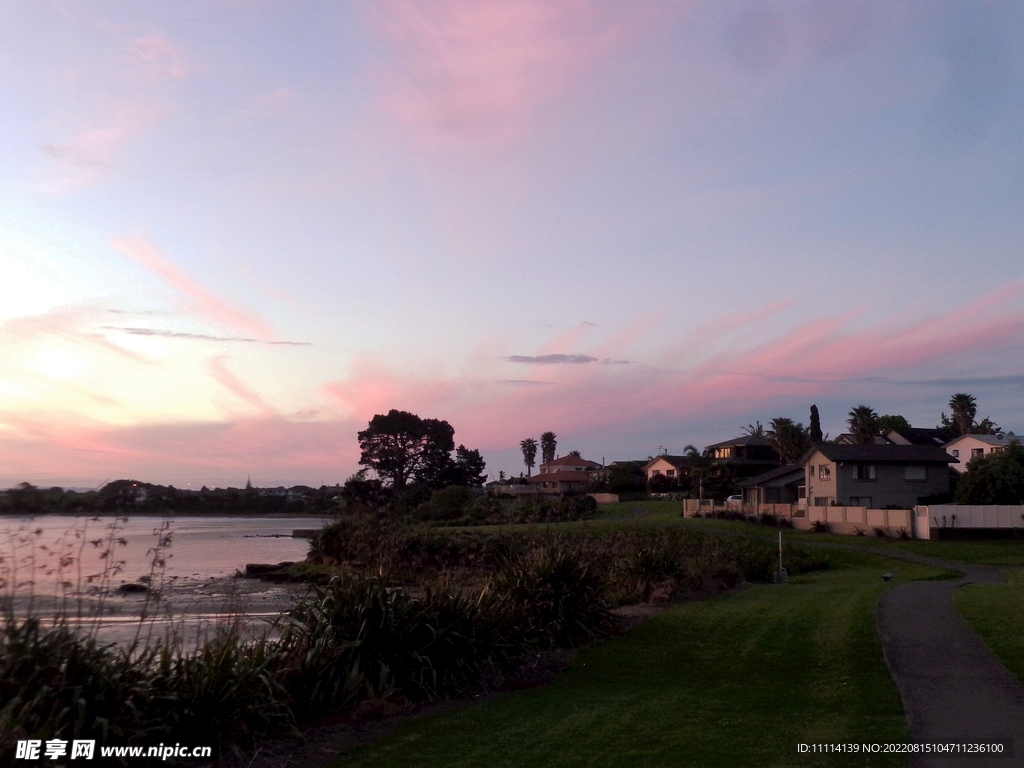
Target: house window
{"points": [[915, 473], [670, 472], [821, 501], [801, 492], [977, 452], [956, 453], [860, 501], [824, 473], [996, 449], [865, 472], [657, 471]]}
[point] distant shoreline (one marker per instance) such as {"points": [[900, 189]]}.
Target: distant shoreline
{"points": [[141, 513]]}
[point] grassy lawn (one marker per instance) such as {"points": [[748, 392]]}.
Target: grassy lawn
{"points": [[736, 680], [996, 612]]}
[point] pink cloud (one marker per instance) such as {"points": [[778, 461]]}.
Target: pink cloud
{"points": [[161, 55], [139, 249], [68, 323], [480, 70], [816, 358], [217, 368]]}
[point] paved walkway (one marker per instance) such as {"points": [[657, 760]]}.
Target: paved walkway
{"points": [[953, 687]]}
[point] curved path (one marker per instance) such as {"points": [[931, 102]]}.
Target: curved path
{"points": [[953, 687]]}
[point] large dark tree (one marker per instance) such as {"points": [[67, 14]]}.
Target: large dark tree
{"points": [[892, 421], [863, 423], [402, 448], [964, 408], [788, 438], [548, 446], [997, 478], [815, 428]]}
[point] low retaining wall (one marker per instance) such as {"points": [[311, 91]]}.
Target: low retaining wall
{"points": [[843, 520]]}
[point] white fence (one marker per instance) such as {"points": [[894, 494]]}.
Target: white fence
{"points": [[975, 516]]}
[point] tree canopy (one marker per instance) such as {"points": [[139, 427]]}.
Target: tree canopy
{"points": [[814, 430], [403, 448], [863, 423], [788, 438], [548, 446], [529, 448], [892, 421], [997, 478]]}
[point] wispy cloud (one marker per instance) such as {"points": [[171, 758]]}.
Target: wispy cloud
{"points": [[139, 249], [217, 368], [551, 359], [480, 70], [199, 336], [111, 102]]}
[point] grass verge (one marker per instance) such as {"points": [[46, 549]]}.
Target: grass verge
{"points": [[736, 680], [996, 613]]}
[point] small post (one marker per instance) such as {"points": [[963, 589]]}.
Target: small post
{"points": [[781, 577]]}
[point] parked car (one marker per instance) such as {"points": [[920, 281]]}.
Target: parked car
{"points": [[734, 499]]}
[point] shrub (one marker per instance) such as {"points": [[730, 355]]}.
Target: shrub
{"points": [[820, 526], [556, 596], [880, 532]]}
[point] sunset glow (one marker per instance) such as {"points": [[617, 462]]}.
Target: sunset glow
{"points": [[231, 233]]}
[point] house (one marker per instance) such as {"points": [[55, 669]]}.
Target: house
{"points": [[966, 447], [874, 475], [569, 474], [784, 485], [570, 463], [672, 467], [745, 456], [564, 481]]}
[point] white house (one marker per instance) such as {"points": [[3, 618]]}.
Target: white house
{"points": [[966, 447]]}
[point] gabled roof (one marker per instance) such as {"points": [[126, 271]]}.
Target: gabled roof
{"points": [[743, 440], [778, 474], [999, 439], [882, 454], [679, 462]]}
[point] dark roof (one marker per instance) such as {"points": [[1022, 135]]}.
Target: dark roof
{"points": [[676, 461], [921, 436], [774, 474], [743, 440], [883, 454]]}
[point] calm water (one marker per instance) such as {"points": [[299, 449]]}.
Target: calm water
{"points": [[201, 547]]}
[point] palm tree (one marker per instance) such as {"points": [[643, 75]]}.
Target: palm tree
{"points": [[529, 446], [964, 408], [788, 438], [863, 423], [548, 444], [754, 430], [699, 465]]}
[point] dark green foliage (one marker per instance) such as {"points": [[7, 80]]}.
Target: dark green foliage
{"points": [[56, 684], [402, 448], [820, 526], [997, 478], [892, 421], [360, 637], [557, 597], [814, 430]]}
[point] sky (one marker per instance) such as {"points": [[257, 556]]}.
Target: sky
{"points": [[232, 231]]}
